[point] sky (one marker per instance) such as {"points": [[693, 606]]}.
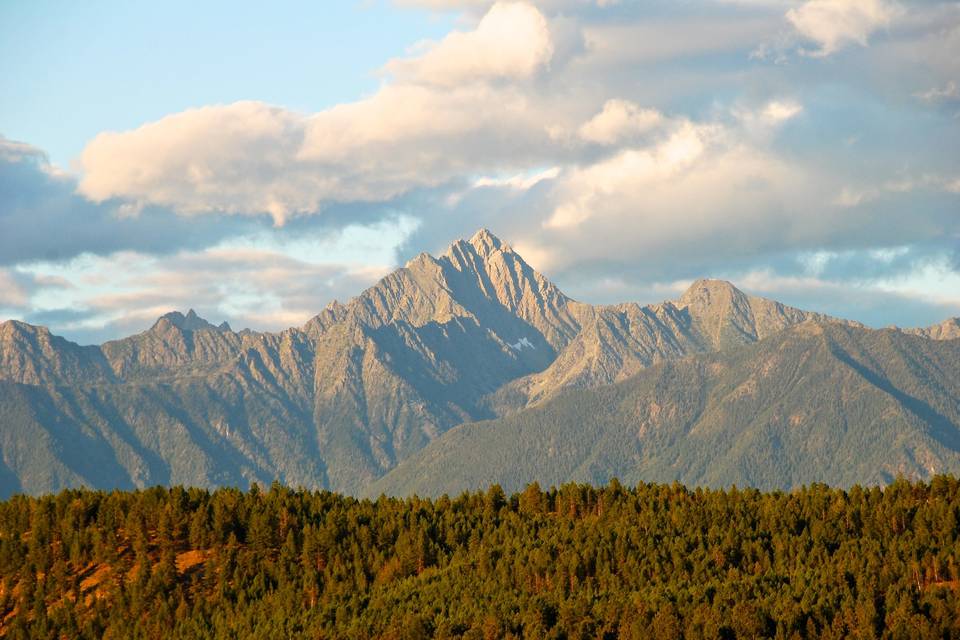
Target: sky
{"points": [[256, 161]]}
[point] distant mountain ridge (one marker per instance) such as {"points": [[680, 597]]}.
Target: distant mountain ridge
{"points": [[473, 334]]}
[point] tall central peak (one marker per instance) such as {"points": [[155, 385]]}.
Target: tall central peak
{"points": [[486, 244], [492, 260]]}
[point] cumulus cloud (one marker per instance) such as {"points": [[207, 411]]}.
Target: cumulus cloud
{"points": [[593, 190], [834, 24], [42, 218], [511, 41], [252, 158], [185, 160], [551, 5], [693, 193], [685, 171], [619, 120]]}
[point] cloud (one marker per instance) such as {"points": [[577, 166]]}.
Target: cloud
{"points": [[619, 120], [253, 159], [834, 24], [12, 292], [42, 218], [693, 193], [483, 5], [102, 297], [511, 41], [519, 181], [658, 39], [855, 196], [778, 111], [949, 91], [185, 160], [598, 188]]}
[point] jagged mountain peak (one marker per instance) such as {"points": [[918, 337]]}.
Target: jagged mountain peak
{"points": [[486, 243], [488, 265], [485, 254], [483, 245], [190, 322]]}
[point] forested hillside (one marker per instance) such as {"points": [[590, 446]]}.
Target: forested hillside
{"points": [[655, 561]]}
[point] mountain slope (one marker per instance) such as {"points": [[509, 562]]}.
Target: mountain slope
{"points": [[819, 402]]}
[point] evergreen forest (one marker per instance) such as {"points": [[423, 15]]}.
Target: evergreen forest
{"points": [[653, 561]]}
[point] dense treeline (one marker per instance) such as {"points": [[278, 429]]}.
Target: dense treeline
{"points": [[575, 562]]}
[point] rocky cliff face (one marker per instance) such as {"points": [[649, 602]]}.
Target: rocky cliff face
{"points": [[468, 335]]}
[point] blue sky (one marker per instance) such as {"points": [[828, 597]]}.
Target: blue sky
{"points": [[256, 162]]}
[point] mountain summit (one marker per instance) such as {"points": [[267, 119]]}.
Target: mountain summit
{"points": [[470, 335], [191, 322]]}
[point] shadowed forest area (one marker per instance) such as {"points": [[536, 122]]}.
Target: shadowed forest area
{"points": [[655, 561]]}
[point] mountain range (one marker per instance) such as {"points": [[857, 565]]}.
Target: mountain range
{"points": [[471, 367]]}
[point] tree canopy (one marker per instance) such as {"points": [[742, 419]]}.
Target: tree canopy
{"points": [[652, 561]]}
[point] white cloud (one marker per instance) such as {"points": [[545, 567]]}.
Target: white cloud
{"points": [[707, 191], [511, 41], [776, 112], [252, 158], [252, 282], [593, 190], [551, 5], [761, 123], [833, 24], [854, 196], [520, 181], [618, 120], [233, 158]]}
